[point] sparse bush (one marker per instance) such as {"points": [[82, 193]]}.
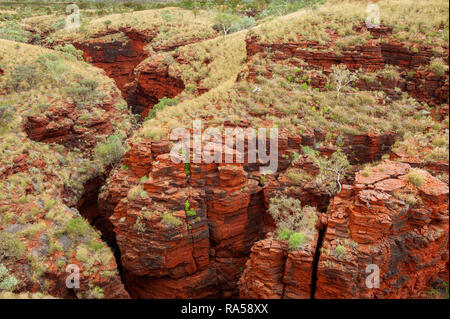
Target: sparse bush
{"points": [[82, 92], [137, 192], [332, 170], [293, 220], [3, 271], [340, 250], [97, 293], [390, 73], [224, 22], [10, 246], [110, 151], [54, 67], [77, 227], [415, 177], [295, 240], [162, 103], [341, 77], [70, 50], [6, 114], [58, 24], [13, 31], [438, 67], [297, 176], [139, 226], [169, 219], [22, 78], [243, 23]]}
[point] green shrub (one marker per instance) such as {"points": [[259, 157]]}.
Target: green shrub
{"points": [[13, 31], [10, 246], [161, 105], [70, 50], [340, 250], [189, 211], [9, 283], [77, 227], [296, 240], [58, 24], [54, 67], [415, 178], [82, 92], [285, 234], [243, 23], [224, 21], [438, 67], [6, 114], [3, 271], [23, 78], [169, 219], [110, 151], [97, 293]]}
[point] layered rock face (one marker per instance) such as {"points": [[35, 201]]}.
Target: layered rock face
{"points": [[167, 248], [275, 272], [67, 124], [117, 52], [229, 202], [371, 56], [384, 238], [130, 58], [386, 221]]}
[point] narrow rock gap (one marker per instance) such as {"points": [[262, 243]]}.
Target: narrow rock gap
{"points": [[316, 261], [89, 209]]}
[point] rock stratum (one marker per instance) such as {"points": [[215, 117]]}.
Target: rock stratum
{"points": [[362, 166]]}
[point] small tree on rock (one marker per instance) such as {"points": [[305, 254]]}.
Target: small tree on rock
{"points": [[342, 77]]}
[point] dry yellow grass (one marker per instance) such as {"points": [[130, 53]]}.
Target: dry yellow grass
{"points": [[211, 62], [413, 21], [174, 25]]}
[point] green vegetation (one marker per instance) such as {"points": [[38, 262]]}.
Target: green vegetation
{"points": [[340, 250], [7, 282], [169, 219], [10, 247], [136, 193], [332, 170], [438, 67], [160, 105], [13, 31], [294, 222], [189, 211], [110, 151], [415, 177], [295, 240], [77, 227], [139, 226]]}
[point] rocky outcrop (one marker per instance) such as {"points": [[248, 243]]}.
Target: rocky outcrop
{"points": [[130, 58], [385, 222], [153, 82], [371, 56], [117, 52], [382, 223], [73, 126], [275, 272]]}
